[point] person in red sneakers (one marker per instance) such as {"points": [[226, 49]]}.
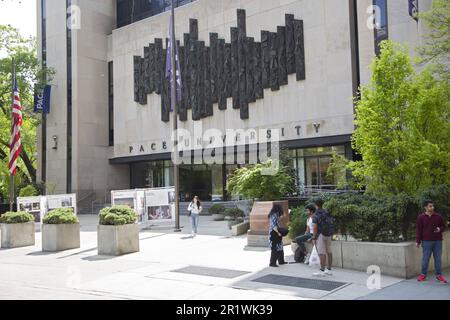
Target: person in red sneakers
{"points": [[429, 228]]}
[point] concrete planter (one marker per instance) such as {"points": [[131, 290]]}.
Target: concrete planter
{"points": [[218, 217], [118, 240], [394, 259], [18, 235], [59, 237], [240, 228]]}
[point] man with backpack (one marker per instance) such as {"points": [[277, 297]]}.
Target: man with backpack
{"points": [[323, 225]]}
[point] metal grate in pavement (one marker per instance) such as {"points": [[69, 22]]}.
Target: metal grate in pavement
{"points": [[316, 284], [211, 272]]}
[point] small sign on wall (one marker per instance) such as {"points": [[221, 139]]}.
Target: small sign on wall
{"points": [[414, 9]]}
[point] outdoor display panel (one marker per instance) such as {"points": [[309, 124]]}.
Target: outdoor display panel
{"points": [[152, 205], [39, 206]]}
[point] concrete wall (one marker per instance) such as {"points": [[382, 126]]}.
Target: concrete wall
{"points": [[395, 259], [324, 97], [92, 176]]}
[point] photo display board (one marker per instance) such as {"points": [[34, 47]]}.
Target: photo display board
{"points": [[39, 206], [151, 205]]}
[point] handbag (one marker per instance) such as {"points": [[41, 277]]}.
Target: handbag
{"points": [[189, 210]]}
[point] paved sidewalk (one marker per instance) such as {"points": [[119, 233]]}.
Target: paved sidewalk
{"points": [[159, 271]]}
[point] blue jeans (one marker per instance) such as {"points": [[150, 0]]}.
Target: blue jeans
{"points": [[194, 222], [301, 239], [435, 248]]}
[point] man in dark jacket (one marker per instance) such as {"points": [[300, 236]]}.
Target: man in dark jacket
{"points": [[429, 228]]}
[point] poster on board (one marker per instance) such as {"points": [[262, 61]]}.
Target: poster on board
{"points": [[160, 204], [32, 205], [62, 201]]}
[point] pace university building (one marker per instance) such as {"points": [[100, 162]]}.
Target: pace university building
{"points": [[285, 66]]}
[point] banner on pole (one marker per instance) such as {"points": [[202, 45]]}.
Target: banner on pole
{"points": [[414, 9], [42, 99]]}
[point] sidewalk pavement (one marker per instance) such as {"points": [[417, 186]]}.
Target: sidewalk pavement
{"points": [[155, 272]]}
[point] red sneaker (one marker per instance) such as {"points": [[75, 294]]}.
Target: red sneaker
{"points": [[441, 279], [422, 278]]}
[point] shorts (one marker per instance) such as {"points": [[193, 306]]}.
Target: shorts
{"points": [[324, 244]]}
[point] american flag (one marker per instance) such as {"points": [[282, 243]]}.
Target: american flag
{"points": [[15, 146]]}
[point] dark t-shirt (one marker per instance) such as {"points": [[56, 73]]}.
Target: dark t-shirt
{"points": [[317, 217]]}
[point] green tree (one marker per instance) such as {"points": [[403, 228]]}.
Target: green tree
{"points": [[436, 50], [251, 182], [403, 128], [29, 72]]}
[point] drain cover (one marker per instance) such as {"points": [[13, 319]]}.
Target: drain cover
{"points": [[212, 272], [300, 282]]}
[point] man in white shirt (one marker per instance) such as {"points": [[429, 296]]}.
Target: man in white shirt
{"points": [[309, 234]]}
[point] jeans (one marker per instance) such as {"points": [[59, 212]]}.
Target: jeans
{"points": [[435, 248], [301, 239], [194, 222]]}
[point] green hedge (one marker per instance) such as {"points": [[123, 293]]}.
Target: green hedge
{"points": [[16, 217], [61, 216], [234, 213], [217, 209], [297, 226], [117, 215], [383, 218]]}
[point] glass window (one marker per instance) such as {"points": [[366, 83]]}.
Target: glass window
{"points": [[111, 103], [129, 11]]}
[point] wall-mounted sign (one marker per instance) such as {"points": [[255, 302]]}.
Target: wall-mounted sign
{"points": [[413, 8], [42, 99]]}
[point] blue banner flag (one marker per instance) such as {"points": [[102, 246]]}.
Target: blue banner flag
{"points": [[414, 9], [177, 64], [42, 99]]}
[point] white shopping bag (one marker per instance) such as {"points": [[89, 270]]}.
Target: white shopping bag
{"points": [[314, 259]]}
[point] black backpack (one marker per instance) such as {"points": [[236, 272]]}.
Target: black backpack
{"points": [[299, 255], [327, 225]]}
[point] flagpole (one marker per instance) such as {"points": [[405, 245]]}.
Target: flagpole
{"points": [[173, 102], [11, 177]]}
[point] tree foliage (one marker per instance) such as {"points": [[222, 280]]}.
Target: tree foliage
{"points": [[403, 128], [251, 183], [29, 73], [436, 50]]}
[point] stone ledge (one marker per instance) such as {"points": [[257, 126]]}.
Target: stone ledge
{"points": [[394, 259]]}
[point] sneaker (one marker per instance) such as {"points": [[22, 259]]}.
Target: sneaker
{"points": [[273, 265], [422, 278], [441, 279], [328, 272], [306, 259], [319, 274]]}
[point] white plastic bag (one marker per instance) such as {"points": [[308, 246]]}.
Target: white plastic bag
{"points": [[314, 259]]}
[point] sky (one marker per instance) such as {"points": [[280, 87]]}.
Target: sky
{"points": [[20, 14]]}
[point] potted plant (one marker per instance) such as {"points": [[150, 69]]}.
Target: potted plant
{"points": [[234, 216], [60, 230], [17, 229], [118, 232], [217, 211]]}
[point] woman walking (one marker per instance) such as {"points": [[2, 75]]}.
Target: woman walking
{"points": [[195, 208], [275, 236]]}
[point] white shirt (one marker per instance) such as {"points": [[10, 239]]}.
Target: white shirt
{"points": [[194, 209], [309, 223]]}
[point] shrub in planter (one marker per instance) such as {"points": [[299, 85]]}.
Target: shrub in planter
{"points": [[61, 216], [217, 211], [117, 215], [17, 229], [16, 217], [117, 232], [60, 230], [234, 216]]}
